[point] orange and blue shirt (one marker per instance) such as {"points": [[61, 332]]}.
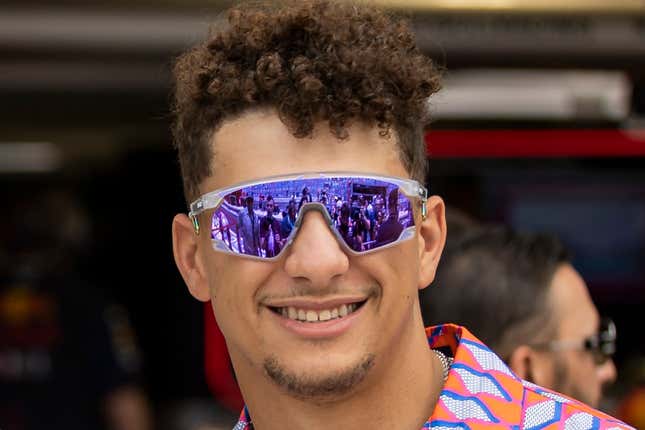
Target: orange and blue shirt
{"points": [[482, 392]]}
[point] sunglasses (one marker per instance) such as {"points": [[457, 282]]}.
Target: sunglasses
{"points": [[601, 345], [260, 219]]}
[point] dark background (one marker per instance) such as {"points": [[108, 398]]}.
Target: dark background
{"points": [[93, 79]]}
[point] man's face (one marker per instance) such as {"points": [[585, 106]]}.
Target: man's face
{"points": [[575, 372], [318, 359], [378, 204], [270, 207]]}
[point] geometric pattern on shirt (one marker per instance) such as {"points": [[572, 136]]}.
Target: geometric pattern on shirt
{"points": [[241, 425], [479, 382], [486, 358], [581, 421], [471, 398], [466, 407], [445, 425], [542, 414], [550, 394]]}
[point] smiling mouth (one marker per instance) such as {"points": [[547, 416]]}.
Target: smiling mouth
{"points": [[314, 316]]}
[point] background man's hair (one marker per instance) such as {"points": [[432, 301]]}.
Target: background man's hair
{"points": [[495, 282], [310, 60]]}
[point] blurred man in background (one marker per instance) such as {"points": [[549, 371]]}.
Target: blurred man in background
{"points": [[522, 296], [68, 355]]}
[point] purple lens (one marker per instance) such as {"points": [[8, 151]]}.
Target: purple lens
{"points": [[258, 220]]}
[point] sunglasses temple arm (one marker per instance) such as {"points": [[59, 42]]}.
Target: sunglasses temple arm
{"points": [[198, 206]]}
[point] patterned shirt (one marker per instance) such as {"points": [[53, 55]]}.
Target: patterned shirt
{"points": [[482, 392]]}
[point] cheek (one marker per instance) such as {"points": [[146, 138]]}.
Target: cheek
{"points": [[588, 369], [219, 283], [580, 368], [235, 282], [404, 266], [217, 277], [395, 270]]}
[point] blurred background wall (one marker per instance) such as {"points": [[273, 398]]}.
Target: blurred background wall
{"points": [[541, 124]]}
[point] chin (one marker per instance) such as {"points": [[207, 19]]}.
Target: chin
{"points": [[318, 382]]}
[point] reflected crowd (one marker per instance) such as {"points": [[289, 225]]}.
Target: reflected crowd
{"points": [[259, 220]]}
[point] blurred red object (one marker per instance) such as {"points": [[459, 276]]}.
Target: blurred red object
{"points": [[217, 365], [534, 143], [632, 408]]}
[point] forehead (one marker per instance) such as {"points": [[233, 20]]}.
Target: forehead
{"points": [[257, 144], [572, 304]]}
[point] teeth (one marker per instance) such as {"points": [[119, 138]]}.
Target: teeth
{"points": [[293, 313], [311, 316], [342, 311]]}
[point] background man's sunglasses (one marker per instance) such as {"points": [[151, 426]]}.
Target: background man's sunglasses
{"points": [[260, 219], [602, 344]]}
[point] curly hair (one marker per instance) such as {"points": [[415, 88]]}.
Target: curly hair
{"points": [[311, 61]]}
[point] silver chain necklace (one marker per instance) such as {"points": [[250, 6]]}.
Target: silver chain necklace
{"points": [[446, 362]]}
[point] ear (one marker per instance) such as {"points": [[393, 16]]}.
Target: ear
{"points": [[432, 238], [185, 247], [521, 362], [532, 365]]}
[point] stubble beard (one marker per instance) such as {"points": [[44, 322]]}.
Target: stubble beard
{"points": [[563, 384], [321, 388]]}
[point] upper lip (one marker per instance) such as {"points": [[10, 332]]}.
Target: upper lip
{"points": [[314, 303]]}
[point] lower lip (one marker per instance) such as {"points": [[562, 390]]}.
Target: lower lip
{"points": [[321, 329]]}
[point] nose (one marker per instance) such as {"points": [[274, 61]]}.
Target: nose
{"points": [[315, 256], [607, 372]]}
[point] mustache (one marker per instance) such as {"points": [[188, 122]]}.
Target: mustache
{"points": [[307, 290]]}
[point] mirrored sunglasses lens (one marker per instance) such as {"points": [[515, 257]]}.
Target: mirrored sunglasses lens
{"points": [[257, 220], [607, 337], [372, 215], [249, 222], [607, 331]]}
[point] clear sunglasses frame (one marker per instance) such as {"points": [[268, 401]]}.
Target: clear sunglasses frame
{"points": [[602, 344], [211, 200]]}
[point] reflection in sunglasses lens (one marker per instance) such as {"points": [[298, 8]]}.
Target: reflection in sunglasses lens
{"points": [[257, 220]]}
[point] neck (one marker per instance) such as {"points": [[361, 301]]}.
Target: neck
{"points": [[400, 392]]}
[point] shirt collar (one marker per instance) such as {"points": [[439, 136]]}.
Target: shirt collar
{"points": [[480, 387]]}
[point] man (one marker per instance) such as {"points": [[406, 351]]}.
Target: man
{"points": [[322, 336], [288, 220], [344, 225], [305, 197], [545, 326], [391, 228], [270, 230], [248, 224]]}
